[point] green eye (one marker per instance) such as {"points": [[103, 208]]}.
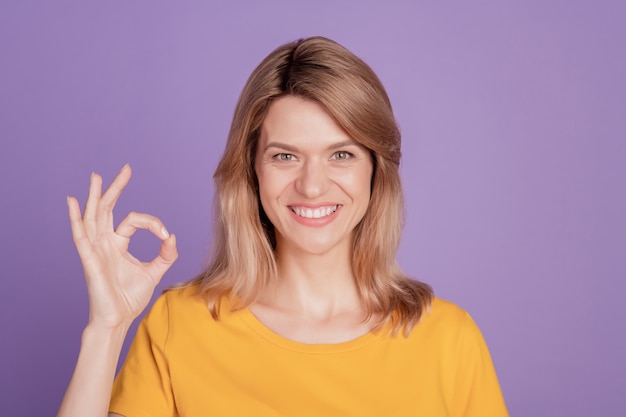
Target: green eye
{"points": [[341, 155], [285, 157]]}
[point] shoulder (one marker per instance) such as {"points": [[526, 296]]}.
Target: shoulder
{"points": [[443, 311], [447, 321], [447, 306], [182, 294], [175, 304], [185, 310], [467, 369], [188, 299]]}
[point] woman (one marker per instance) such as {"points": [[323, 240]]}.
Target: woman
{"points": [[303, 309]]}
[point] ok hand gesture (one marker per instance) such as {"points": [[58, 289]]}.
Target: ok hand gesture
{"points": [[119, 285]]}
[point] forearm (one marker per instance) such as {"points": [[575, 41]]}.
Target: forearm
{"points": [[89, 391]]}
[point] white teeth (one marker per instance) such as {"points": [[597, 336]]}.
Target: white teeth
{"points": [[314, 213]]}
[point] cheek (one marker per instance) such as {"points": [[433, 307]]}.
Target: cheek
{"points": [[271, 187], [361, 182], [265, 204], [263, 196]]}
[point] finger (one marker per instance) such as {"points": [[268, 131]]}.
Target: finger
{"points": [[89, 217], [165, 259], [110, 197], [134, 221], [78, 229]]}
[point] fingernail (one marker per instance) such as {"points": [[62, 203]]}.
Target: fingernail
{"points": [[164, 232]]}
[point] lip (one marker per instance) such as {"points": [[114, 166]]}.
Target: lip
{"points": [[314, 221]]}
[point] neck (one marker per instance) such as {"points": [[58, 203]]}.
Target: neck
{"points": [[315, 286]]}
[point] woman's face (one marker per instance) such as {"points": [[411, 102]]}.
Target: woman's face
{"points": [[314, 179]]}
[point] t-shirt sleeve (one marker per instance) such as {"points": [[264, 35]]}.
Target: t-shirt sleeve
{"points": [[143, 388], [477, 391]]}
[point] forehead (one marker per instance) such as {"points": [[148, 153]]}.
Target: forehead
{"points": [[298, 122]]}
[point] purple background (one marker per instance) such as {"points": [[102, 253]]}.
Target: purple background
{"points": [[514, 166]]}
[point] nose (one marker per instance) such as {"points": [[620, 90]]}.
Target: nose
{"points": [[313, 180]]}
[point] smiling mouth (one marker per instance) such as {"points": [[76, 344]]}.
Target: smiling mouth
{"points": [[316, 213]]}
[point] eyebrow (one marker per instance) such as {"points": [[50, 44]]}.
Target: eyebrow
{"points": [[334, 146]]}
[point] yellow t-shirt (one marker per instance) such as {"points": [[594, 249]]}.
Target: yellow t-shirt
{"points": [[184, 363]]}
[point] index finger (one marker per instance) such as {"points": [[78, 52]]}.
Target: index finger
{"points": [[78, 228], [112, 194]]}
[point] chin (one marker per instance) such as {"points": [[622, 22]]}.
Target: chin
{"points": [[317, 248]]}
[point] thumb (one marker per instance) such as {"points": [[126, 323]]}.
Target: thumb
{"points": [[165, 259]]}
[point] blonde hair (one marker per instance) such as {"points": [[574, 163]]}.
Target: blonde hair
{"points": [[242, 261]]}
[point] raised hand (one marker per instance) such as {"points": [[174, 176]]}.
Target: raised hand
{"points": [[119, 285]]}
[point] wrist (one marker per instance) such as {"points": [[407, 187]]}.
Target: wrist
{"points": [[106, 333], [110, 323]]}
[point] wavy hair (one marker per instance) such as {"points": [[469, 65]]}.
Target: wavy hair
{"points": [[242, 261]]}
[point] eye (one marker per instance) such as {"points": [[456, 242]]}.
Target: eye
{"points": [[286, 157], [341, 155]]}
